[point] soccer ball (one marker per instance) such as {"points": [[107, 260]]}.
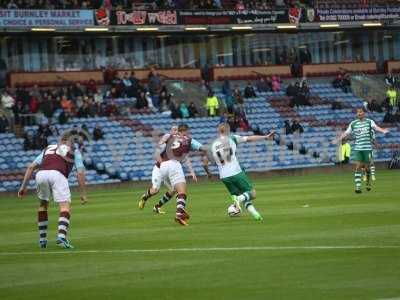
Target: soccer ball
{"points": [[233, 211]]}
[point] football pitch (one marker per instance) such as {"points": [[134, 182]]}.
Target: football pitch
{"points": [[318, 240]]}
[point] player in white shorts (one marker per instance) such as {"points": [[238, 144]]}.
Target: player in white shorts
{"points": [[156, 175], [176, 151], [54, 165], [158, 178]]}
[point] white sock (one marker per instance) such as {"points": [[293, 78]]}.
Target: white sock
{"points": [[243, 197], [252, 210]]}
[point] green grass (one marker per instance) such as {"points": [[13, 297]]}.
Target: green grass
{"points": [[335, 217]]}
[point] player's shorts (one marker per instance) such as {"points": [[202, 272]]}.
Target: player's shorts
{"points": [[172, 173], [156, 178], [52, 183], [238, 184], [363, 156]]}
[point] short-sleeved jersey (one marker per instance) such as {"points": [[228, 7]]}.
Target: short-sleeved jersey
{"points": [[223, 150], [178, 146], [363, 133], [52, 159]]}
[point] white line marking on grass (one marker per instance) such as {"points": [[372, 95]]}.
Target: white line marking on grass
{"points": [[216, 249]]}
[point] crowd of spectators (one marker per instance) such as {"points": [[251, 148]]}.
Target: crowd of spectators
{"points": [[188, 4], [157, 4], [298, 93], [24, 105], [295, 127]]}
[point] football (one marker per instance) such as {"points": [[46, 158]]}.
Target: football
{"points": [[233, 211]]}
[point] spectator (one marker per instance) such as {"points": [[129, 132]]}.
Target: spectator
{"points": [[217, 4], [276, 84], [12, 5], [175, 111], [112, 109], [3, 123], [184, 110], [128, 89], [77, 90], [345, 152], [28, 142], [263, 85], [164, 98], [305, 56], [7, 101], [33, 104], [374, 106], [135, 83], [389, 117], [66, 104], [233, 124], [249, 91], [391, 95], [226, 88], [237, 96], [141, 101], [296, 127], [63, 117], [98, 133], [288, 128], [244, 124], [98, 97], [193, 112], [91, 86], [346, 84], [337, 83], [212, 104], [240, 6], [223, 118], [389, 79], [257, 131], [155, 87], [84, 111], [206, 72], [292, 90]]}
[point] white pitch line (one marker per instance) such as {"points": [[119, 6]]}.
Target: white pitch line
{"points": [[216, 249]]}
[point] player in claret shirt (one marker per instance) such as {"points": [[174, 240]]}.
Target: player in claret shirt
{"points": [[54, 165]]}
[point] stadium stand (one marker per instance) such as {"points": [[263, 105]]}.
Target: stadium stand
{"points": [[126, 152]]}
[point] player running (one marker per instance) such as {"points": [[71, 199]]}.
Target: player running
{"points": [[54, 165], [171, 173], [223, 151], [156, 176], [362, 129]]}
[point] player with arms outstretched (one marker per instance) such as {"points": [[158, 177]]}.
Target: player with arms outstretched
{"points": [[223, 151], [54, 165], [362, 130]]}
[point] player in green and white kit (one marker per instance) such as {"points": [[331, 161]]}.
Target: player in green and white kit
{"points": [[223, 151], [361, 128], [371, 174]]}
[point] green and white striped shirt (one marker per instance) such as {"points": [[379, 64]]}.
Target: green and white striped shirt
{"points": [[363, 133]]}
